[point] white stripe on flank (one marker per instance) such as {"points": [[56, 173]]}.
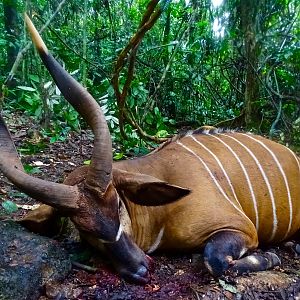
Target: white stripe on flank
{"points": [[247, 179], [157, 241], [297, 159], [284, 178], [220, 165], [212, 177], [275, 222]]}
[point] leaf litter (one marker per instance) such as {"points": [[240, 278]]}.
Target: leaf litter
{"points": [[181, 276]]}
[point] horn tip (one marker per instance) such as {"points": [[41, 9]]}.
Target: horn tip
{"points": [[36, 38]]}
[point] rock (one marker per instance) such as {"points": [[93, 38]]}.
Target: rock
{"points": [[27, 262]]}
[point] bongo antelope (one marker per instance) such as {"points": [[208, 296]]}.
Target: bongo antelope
{"points": [[223, 191]]}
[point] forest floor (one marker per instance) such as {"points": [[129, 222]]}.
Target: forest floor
{"points": [[180, 276]]}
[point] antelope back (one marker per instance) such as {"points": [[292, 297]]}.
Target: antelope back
{"points": [[238, 181], [253, 174]]}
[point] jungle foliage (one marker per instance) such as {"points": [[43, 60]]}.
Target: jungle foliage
{"points": [[235, 64]]}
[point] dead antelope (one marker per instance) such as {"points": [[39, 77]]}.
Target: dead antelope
{"points": [[234, 190]]}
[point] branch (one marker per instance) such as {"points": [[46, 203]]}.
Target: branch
{"points": [[128, 54], [74, 51], [235, 122], [269, 86], [132, 122], [268, 81], [169, 63], [269, 89], [230, 82], [151, 100]]}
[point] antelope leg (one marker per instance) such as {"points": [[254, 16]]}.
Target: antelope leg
{"points": [[255, 262], [224, 250]]}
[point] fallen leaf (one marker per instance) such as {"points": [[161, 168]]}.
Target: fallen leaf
{"points": [[179, 272], [38, 163], [152, 287], [2, 191], [28, 207], [9, 206], [227, 287]]}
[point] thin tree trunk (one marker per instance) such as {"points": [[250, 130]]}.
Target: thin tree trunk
{"points": [[12, 31], [248, 25], [84, 44]]}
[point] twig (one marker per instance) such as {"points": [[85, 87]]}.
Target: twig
{"points": [[237, 121], [132, 122], [268, 84], [230, 82], [84, 267], [156, 89], [75, 52], [273, 127], [128, 54], [270, 88], [26, 48]]}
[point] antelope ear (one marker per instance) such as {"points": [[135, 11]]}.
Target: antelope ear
{"points": [[147, 190]]}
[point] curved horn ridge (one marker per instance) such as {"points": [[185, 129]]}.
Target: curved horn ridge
{"points": [[99, 174], [53, 194], [57, 195], [9, 153]]}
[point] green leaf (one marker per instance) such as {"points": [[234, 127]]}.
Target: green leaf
{"points": [[87, 162], [34, 78], [110, 91], [119, 156], [227, 287], [31, 169], [162, 133], [26, 88], [2, 42], [9, 206], [16, 194], [53, 139]]}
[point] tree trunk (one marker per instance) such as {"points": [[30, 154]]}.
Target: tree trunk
{"points": [[248, 11], [84, 43], [12, 31]]}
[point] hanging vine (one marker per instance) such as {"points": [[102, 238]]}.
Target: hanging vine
{"points": [[128, 56]]}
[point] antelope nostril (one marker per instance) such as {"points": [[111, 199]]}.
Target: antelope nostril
{"points": [[142, 272], [141, 276]]}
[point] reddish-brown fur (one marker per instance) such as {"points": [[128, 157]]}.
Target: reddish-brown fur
{"points": [[205, 211], [224, 191]]}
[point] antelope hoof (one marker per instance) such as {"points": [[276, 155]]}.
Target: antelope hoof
{"points": [[255, 263], [273, 259]]}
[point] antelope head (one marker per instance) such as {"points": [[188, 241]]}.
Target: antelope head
{"points": [[93, 204]]}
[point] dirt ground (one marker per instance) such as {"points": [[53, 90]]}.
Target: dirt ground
{"points": [[180, 276]]}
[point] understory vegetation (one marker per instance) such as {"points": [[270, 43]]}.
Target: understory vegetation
{"points": [[156, 67]]}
